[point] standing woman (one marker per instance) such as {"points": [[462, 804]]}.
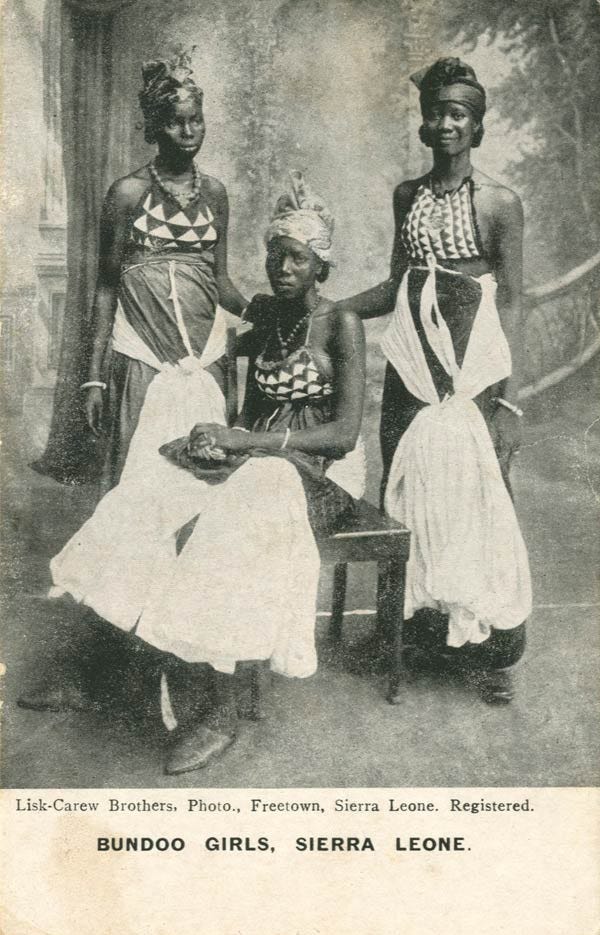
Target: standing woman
{"points": [[450, 417], [162, 270], [244, 586], [163, 261]]}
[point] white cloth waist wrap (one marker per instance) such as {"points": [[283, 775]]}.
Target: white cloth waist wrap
{"points": [[245, 585], [127, 341], [171, 388], [181, 394], [468, 558]]}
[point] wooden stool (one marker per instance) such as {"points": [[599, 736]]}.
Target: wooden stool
{"points": [[369, 536]]}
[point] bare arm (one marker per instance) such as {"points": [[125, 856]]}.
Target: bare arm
{"points": [[229, 297], [380, 299], [117, 205], [332, 439], [508, 257], [113, 222]]}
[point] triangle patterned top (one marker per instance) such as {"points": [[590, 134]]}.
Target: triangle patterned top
{"points": [[160, 224], [443, 226]]}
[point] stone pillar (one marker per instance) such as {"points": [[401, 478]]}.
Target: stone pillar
{"points": [[47, 318], [21, 195], [53, 208]]}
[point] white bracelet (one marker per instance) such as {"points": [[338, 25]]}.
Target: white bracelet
{"points": [[286, 439], [90, 383], [510, 406]]}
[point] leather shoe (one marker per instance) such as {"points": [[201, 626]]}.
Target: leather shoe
{"points": [[496, 686], [196, 748]]}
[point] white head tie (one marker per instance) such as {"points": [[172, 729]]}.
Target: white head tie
{"points": [[302, 215]]}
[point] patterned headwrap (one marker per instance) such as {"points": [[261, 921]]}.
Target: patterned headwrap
{"points": [[164, 80], [302, 215], [449, 79]]}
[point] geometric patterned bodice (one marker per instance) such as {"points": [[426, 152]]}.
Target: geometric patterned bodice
{"points": [[299, 376], [443, 226], [160, 224]]}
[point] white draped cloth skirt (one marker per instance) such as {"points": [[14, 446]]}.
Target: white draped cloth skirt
{"points": [[244, 586], [468, 558]]}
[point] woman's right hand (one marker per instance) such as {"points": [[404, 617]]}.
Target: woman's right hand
{"points": [[94, 407]]}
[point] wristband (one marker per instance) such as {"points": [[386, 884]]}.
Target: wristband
{"points": [[510, 406], [90, 383]]}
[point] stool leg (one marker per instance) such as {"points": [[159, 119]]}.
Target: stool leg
{"points": [[381, 633], [340, 577], [259, 684], [390, 613]]}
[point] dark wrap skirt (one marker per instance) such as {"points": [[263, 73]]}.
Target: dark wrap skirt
{"points": [[458, 299], [145, 298]]}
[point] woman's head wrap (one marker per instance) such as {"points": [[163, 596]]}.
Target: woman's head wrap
{"points": [[449, 79], [302, 215], [164, 80]]}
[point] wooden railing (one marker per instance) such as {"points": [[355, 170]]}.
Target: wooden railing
{"points": [[562, 326]]}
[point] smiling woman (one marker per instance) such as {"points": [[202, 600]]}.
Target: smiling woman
{"points": [[450, 422]]}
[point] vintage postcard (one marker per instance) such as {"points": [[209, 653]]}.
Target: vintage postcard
{"points": [[300, 347]]}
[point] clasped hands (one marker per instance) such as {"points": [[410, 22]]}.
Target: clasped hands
{"points": [[214, 442]]}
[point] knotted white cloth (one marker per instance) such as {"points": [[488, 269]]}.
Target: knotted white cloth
{"points": [[245, 585], [468, 558]]}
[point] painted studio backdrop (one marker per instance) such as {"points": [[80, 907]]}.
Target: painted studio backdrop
{"points": [[318, 85], [321, 86]]}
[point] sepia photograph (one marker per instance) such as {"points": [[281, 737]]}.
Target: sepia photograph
{"points": [[300, 338]]}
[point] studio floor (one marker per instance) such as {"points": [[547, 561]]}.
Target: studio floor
{"points": [[336, 729]]}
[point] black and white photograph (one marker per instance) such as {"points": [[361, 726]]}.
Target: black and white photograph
{"points": [[300, 343]]}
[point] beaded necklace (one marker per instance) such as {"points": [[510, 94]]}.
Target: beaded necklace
{"points": [[170, 190], [285, 344], [436, 218]]}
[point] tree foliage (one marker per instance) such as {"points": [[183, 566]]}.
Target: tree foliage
{"points": [[553, 92]]}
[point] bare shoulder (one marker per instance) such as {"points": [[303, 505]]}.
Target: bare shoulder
{"points": [[214, 187], [404, 195], [216, 195], [343, 325], [125, 192], [501, 196], [405, 192]]}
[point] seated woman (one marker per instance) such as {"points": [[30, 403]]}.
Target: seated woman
{"points": [[450, 419], [244, 586]]}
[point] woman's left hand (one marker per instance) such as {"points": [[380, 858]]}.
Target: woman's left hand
{"points": [[506, 432], [211, 435]]}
